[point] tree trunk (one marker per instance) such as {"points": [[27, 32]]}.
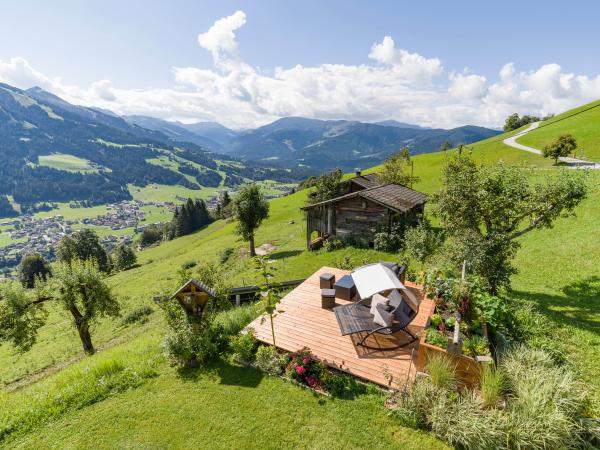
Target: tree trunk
{"points": [[252, 250], [84, 331]]}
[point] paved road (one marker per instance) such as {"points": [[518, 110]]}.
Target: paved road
{"points": [[574, 162]]}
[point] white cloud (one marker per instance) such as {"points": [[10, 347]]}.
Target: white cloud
{"points": [[412, 66], [220, 38], [397, 85], [468, 87]]}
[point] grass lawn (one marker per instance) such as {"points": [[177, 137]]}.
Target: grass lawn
{"points": [[66, 162], [583, 127], [222, 406], [5, 239]]}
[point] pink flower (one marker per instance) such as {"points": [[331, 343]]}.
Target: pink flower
{"points": [[306, 360], [300, 370]]}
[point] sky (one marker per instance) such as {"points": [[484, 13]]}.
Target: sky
{"points": [[247, 63]]}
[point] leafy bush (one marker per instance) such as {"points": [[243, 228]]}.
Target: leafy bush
{"points": [[491, 385], [475, 346], [434, 337], [341, 386], [244, 346], [304, 368], [185, 345], [450, 322], [139, 314], [225, 254], [189, 265], [333, 244], [268, 360], [442, 371], [390, 239], [436, 320]]}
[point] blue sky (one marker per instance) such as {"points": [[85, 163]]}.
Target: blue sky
{"points": [[130, 56]]}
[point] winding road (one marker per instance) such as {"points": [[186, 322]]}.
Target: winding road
{"points": [[573, 162]]}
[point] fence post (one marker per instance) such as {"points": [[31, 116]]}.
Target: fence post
{"points": [[238, 300]]}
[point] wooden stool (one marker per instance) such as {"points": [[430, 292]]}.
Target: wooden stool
{"points": [[327, 298], [345, 289], [326, 280]]}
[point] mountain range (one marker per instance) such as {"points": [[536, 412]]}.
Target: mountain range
{"points": [[37, 127], [41, 135], [316, 144]]}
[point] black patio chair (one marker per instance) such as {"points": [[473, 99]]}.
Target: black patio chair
{"points": [[356, 318]]}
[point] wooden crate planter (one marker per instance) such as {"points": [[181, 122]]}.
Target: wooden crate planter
{"points": [[467, 369]]}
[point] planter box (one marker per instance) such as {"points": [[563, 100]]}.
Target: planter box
{"points": [[467, 369]]}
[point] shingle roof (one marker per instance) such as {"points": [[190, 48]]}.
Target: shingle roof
{"points": [[392, 196], [199, 284], [366, 181]]}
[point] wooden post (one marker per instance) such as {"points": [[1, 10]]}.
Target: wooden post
{"points": [[238, 300]]}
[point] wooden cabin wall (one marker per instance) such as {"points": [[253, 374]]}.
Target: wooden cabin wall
{"points": [[358, 217]]}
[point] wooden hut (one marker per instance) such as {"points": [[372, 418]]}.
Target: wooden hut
{"points": [[193, 297], [362, 210]]}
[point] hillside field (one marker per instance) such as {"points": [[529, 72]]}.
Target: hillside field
{"points": [[558, 270], [584, 127]]}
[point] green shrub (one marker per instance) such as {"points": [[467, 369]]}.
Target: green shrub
{"points": [[436, 320], [225, 254], [268, 360], [459, 420], [414, 405], [389, 240], [189, 265], [333, 244], [139, 314], [194, 345], [342, 386], [442, 371], [437, 338], [450, 322], [244, 346], [475, 346], [491, 385]]}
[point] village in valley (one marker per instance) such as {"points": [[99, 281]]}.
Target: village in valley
{"points": [[40, 235]]}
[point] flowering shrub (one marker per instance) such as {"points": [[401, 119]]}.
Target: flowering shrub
{"points": [[305, 368]]}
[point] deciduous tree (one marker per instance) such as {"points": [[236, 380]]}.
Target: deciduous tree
{"points": [[250, 209], [78, 287], [83, 245], [486, 208], [124, 257], [395, 169], [563, 146], [33, 267]]}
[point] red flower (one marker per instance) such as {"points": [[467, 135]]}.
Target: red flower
{"points": [[300, 370], [306, 359]]}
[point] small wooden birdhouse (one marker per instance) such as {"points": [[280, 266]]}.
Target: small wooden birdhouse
{"points": [[193, 297]]}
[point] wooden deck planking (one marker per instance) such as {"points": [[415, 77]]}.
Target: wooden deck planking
{"points": [[300, 323]]}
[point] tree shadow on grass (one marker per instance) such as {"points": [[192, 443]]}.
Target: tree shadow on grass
{"points": [[222, 372], [285, 254], [578, 306]]}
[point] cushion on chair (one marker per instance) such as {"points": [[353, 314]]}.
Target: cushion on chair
{"points": [[411, 299], [377, 299], [382, 316], [394, 298]]}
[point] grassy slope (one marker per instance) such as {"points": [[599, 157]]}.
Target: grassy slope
{"points": [[66, 162], [558, 269], [584, 128]]}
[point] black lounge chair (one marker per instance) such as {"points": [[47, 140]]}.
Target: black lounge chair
{"points": [[356, 318]]}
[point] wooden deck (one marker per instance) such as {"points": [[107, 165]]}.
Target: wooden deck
{"points": [[302, 323]]}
